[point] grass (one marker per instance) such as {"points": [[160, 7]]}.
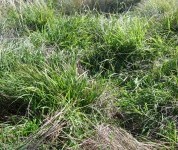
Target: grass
{"points": [[73, 80]]}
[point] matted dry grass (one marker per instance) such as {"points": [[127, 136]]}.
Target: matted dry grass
{"points": [[112, 138]]}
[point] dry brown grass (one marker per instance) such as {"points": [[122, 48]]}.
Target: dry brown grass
{"points": [[112, 138], [47, 133]]}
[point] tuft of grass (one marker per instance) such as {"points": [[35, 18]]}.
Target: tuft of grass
{"points": [[30, 16], [121, 45]]}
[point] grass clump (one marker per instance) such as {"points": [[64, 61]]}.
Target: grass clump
{"points": [[71, 81], [119, 47], [29, 16]]}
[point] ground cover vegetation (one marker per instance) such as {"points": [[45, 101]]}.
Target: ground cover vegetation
{"points": [[84, 75]]}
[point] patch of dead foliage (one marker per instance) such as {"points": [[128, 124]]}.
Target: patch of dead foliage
{"points": [[47, 133], [112, 138]]}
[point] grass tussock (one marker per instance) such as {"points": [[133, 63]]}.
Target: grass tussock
{"points": [[86, 76]]}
